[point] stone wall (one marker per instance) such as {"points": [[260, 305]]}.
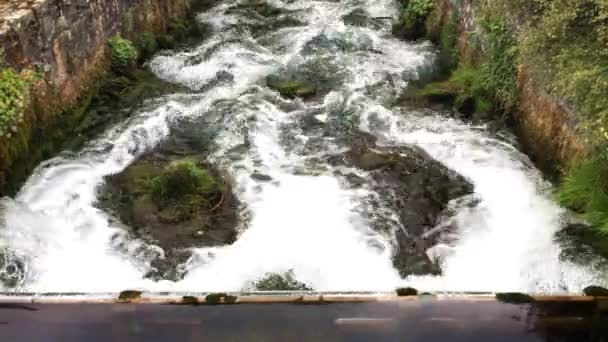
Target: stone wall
{"points": [[546, 126], [65, 41]]}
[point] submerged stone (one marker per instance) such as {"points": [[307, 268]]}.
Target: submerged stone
{"points": [[260, 7], [314, 78], [291, 88], [261, 177], [360, 18]]}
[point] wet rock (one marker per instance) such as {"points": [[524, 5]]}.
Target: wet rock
{"points": [[279, 282], [12, 269], [314, 78], [360, 18], [291, 88], [324, 44], [595, 291], [128, 295], [582, 243], [514, 298], [261, 177], [443, 93], [174, 202], [261, 18], [407, 292], [220, 298], [416, 187], [260, 7]]}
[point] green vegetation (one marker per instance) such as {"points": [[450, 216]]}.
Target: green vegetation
{"points": [[465, 92], [485, 86], [412, 21], [180, 180], [291, 88], [567, 43], [147, 45], [123, 53], [585, 190], [280, 282], [499, 70], [14, 94], [564, 46], [448, 57]]}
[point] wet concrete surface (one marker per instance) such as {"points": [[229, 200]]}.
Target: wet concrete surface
{"points": [[399, 319]]}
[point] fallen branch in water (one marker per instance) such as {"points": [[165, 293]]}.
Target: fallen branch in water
{"points": [[219, 203]]}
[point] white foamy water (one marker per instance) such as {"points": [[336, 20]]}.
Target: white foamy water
{"points": [[306, 220]]}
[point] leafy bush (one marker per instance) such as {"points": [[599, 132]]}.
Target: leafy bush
{"points": [[123, 52], [14, 93], [412, 21], [181, 179], [585, 190]]}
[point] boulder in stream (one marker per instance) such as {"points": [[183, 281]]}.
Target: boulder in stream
{"points": [[416, 187], [176, 203]]}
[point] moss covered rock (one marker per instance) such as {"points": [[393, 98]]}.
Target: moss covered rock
{"points": [[291, 88], [412, 21], [279, 282], [175, 203]]}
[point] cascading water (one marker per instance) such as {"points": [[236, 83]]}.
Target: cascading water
{"points": [[307, 220]]}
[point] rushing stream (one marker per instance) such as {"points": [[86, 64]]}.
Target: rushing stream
{"points": [[307, 220]]}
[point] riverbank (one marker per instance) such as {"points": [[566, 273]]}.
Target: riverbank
{"points": [[56, 60], [493, 64]]}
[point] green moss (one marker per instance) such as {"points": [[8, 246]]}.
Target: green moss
{"points": [[585, 190], [166, 41], [147, 45], [464, 91], [179, 180], [291, 88], [412, 21], [448, 58], [123, 53], [280, 282], [14, 95], [499, 70]]}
